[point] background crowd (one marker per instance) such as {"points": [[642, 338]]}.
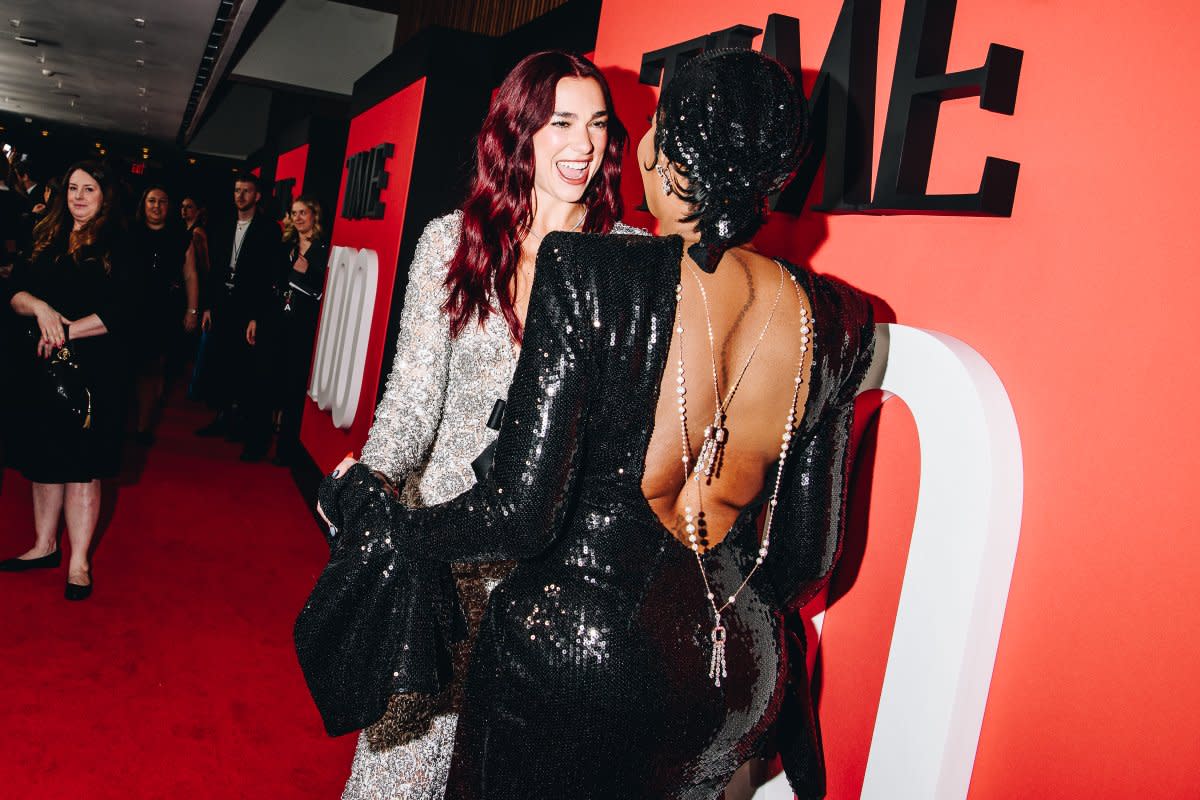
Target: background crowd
{"points": [[115, 297]]}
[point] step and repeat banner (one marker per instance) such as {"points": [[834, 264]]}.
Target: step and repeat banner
{"points": [[362, 269], [1013, 608]]}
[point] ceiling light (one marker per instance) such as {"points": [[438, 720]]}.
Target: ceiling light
{"points": [[145, 108], [15, 23], [98, 145], [47, 72], [139, 22], [41, 59], [45, 133], [141, 91], [139, 41], [28, 41], [190, 160], [139, 62]]}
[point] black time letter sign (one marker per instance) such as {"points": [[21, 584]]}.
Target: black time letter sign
{"points": [[843, 108], [365, 179]]}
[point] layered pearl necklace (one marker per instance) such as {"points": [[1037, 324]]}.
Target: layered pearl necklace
{"points": [[708, 462]]}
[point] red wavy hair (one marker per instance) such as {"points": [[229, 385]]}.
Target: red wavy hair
{"points": [[498, 207]]}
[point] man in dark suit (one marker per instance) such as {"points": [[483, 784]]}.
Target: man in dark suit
{"points": [[242, 254]]}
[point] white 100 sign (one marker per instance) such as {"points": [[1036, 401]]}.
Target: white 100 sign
{"points": [[345, 331]]}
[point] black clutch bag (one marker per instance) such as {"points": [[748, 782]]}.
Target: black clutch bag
{"points": [[378, 622], [61, 386]]}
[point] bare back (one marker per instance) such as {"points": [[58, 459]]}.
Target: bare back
{"points": [[741, 294]]}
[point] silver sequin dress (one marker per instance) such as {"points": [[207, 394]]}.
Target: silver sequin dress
{"points": [[429, 427]]}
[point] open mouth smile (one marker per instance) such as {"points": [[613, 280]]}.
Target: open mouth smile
{"points": [[573, 172]]}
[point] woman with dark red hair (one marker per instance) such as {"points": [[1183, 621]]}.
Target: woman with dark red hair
{"points": [[548, 159]]}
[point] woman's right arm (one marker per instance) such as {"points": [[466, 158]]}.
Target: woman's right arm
{"points": [[49, 321], [408, 416]]}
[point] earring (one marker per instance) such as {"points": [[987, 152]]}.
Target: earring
{"points": [[666, 180]]}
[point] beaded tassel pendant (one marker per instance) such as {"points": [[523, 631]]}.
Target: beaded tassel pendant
{"points": [[716, 664], [708, 461]]}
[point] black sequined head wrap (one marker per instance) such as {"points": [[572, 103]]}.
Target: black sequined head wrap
{"points": [[735, 127]]}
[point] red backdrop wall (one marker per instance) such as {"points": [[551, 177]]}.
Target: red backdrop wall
{"points": [[392, 120], [1081, 301], [291, 165]]}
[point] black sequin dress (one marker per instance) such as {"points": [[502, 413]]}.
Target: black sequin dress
{"points": [[590, 674]]}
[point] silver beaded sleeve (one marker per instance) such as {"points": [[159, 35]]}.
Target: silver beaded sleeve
{"points": [[411, 409]]}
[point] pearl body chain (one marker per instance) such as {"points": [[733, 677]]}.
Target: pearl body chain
{"points": [[707, 463]]}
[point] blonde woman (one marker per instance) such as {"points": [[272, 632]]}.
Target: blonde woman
{"points": [[285, 327]]}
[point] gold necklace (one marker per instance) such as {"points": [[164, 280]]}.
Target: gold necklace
{"points": [[572, 229]]}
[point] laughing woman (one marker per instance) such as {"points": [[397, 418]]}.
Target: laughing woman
{"points": [[548, 158]]}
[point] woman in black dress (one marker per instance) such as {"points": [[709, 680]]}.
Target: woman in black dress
{"points": [[75, 290], [670, 393], [164, 271], [285, 328]]}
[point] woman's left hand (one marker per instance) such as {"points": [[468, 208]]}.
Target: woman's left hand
{"points": [[338, 471], [345, 464], [46, 347]]}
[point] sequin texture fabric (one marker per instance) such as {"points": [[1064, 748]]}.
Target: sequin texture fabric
{"points": [[589, 674], [429, 426]]}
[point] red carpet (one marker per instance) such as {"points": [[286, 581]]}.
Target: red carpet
{"points": [[177, 678]]}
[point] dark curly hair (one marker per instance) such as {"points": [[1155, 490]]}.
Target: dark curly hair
{"points": [[735, 126]]}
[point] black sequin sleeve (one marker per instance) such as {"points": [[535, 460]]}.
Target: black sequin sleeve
{"points": [[809, 521], [518, 509]]}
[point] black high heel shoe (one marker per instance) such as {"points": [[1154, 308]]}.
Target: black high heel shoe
{"points": [[23, 564]]}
